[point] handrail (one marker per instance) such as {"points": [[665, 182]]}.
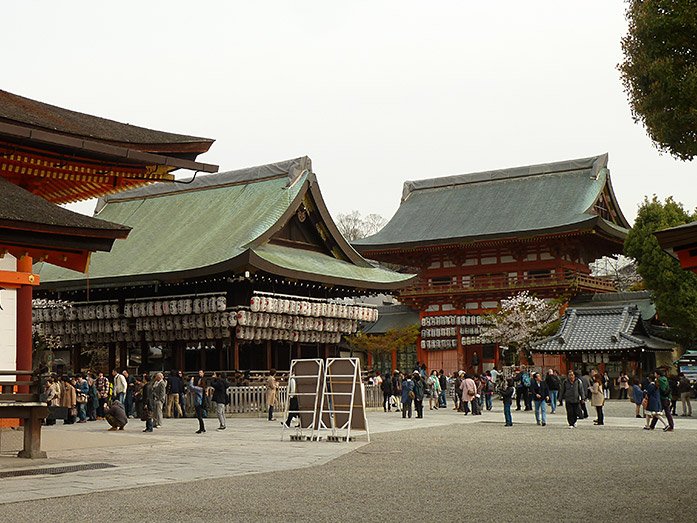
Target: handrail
{"points": [[478, 283]]}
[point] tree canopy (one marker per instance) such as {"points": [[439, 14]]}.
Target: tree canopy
{"points": [[521, 320], [353, 226], [674, 289], [659, 72], [393, 340]]}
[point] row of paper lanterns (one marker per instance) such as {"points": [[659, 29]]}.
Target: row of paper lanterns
{"points": [[298, 323], [256, 334], [437, 321], [185, 306], [445, 332], [439, 344], [326, 309]]}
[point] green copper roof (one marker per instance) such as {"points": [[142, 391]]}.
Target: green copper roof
{"points": [[322, 267], [217, 223], [532, 199]]}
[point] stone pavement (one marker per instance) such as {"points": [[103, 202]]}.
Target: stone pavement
{"points": [[175, 454]]}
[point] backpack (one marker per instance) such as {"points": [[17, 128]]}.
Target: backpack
{"points": [[526, 379]]}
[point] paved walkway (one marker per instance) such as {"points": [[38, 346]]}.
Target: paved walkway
{"points": [[174, 453]]}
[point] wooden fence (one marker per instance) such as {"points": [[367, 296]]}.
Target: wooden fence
{"points": [[252, 399]]}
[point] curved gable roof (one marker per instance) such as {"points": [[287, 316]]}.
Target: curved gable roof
{"points": [[220, 223], [522, 200]]}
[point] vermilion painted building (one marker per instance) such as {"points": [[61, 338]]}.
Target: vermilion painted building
{"points": [[475, 239]]}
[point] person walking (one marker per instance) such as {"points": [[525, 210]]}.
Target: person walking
{"points": [[540, 395], [197, 393], [271, 393], [419, 389], [120, 386], [68, 400], [665, 395], [159, 396], [652, 405], [523, 393], [571, 394], [434, 386], [220, 386], [175, 387], [52, 400], [293, 403], [507, 396], [397, 389], [147, 406], [553, 385], [475, 363], [489, 389], [102, 384], [386, 387], [469, 393], [623, 383], [407, 395], [598, 398], [586, 382], [606, 385], [82, 391], [443, 381], [637, 395], [130, 387], [685, 391]]}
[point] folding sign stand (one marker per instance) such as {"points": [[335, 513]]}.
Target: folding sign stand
{"points": [[342, 406], [309, 381]]}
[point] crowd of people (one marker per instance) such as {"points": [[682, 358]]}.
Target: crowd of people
{"points": [[655, 396], [148, 397]]}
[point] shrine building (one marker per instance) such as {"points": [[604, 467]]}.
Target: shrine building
{"points": [[238, 270], [476, 239]]}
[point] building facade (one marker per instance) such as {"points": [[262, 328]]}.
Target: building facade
{"points": [[478, 238]]}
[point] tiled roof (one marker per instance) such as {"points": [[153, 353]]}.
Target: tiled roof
{"points": [[21, 110], [392, 317], [18, 205], [221, 223], [602, 329], [523, 200]]}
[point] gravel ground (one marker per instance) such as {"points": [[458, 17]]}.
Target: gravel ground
{"points": [[484, 470]]}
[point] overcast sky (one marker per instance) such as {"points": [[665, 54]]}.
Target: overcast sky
{"points": [[374, 92]]}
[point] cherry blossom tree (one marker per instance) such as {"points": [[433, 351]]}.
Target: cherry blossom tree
{"points": [[522, 320]]}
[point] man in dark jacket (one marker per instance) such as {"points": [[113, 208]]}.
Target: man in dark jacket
{"points": [[540, 395], [571, 394], [419, 390], [442, 398], [386, 386], [553, 386], [220, 386], [116, 416], [175, 387]]}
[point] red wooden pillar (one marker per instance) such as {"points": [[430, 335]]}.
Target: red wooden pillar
{"points": [[236, 355], [269, 356], [370, 360], [326, 351], [394, 360], [24, 340]]}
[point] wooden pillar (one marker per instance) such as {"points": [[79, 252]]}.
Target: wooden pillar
{"points": [[32, 439], [75, 357], [394, 361], [123, 356], [112, 357], [326, 352], [370, 360], [24, 335], [298, 354], [202, 357], [269, 356], [236, 355]]}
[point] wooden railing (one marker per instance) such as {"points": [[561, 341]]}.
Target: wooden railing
{"points": [[252, 399], [479, 283], [17, 403]]}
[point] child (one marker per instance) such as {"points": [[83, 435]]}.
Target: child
{"points": [[507, 396]]}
